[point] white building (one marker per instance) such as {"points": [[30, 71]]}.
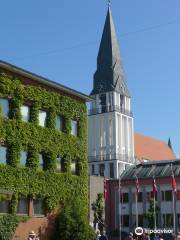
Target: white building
{"points": [[111, 139]]}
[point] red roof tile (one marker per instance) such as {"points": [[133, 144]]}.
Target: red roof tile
{"points": [[148, 148]]}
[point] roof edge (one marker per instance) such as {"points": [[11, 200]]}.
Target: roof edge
{"points": [[44, 80]]}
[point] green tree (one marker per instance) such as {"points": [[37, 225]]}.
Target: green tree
{"points": [[150, 216], [73, 224], [99, 207]]}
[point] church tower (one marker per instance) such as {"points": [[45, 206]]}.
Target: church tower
{"points": [[111, 133]]}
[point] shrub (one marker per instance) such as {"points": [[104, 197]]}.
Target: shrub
{"points": [[73, 224], [8, 225]]}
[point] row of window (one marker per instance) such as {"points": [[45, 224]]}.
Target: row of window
{"points": [[165, 196], [23, 161], [167, 220], [23, 206], [42, 117], [102, 169]]}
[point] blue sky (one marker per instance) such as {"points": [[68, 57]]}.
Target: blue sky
{"points": [[60, 40]]}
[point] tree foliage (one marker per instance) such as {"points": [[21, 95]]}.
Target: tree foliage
{"points": [[150, 216], [73, 224]]}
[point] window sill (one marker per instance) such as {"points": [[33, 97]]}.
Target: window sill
{"points": [[38, 215]]}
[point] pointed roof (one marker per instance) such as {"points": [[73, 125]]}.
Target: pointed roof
{"points": [[110, 74], [169, 144]]}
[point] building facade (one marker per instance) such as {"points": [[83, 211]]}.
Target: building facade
{"points": [[111, 137], [43, 147], [121, 208]]}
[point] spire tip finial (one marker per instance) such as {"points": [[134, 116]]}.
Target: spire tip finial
{"points": [[109, 3]]}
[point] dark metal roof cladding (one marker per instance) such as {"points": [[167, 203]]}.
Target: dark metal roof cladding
{"points": [[110, 74], [157, 169]]}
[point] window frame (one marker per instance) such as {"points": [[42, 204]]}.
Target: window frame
{"points": [[72, 129], [45, 120], [27, 203], [29, 111], [61, 121], [5, 147], [5, 115]]}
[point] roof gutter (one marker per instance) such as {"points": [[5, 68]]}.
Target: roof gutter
{"points": [[45, 81]]}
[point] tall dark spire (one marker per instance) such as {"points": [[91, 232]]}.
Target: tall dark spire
{"points": [[109, 75]]}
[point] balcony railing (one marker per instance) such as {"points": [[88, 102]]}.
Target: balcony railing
{"points": [[108, 157], [106, 109]]}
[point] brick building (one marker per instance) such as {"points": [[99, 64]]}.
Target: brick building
{"points": [[161, 170], [43, 156]]}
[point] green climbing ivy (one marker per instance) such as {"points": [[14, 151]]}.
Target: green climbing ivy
{"points": [[53, 186]]}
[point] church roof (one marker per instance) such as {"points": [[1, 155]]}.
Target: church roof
{"points": [[148, 148], [110, 74]]}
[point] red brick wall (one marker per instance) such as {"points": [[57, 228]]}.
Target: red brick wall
{"points": [[43, 226]]}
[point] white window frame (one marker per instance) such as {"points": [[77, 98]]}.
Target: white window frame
{"points": [[42, 117], [74, 128], [59, 123], [25, 113]]}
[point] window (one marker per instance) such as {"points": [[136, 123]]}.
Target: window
{"points": [[74, 167], [124, 197], [22, 205], [166, 195], [3, 154], [150, 195], [60, 166], [59, 123], [38, 206], [41, 162], [125, 220], [42, 118], [4, 206], [101, 170], [140, 197], [167, 220], [93, 170], [74, 127], [4, 106], [25, 113], [140, 220], [111, 166], [23, 158]]}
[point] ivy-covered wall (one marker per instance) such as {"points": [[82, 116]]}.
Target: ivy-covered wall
{"points": [[53, 186]]}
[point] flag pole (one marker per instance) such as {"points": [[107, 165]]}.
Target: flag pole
{"points": [[173, 191], [119, 206], [136, 209], [154, 198], [136, 197], [154, 211]]}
